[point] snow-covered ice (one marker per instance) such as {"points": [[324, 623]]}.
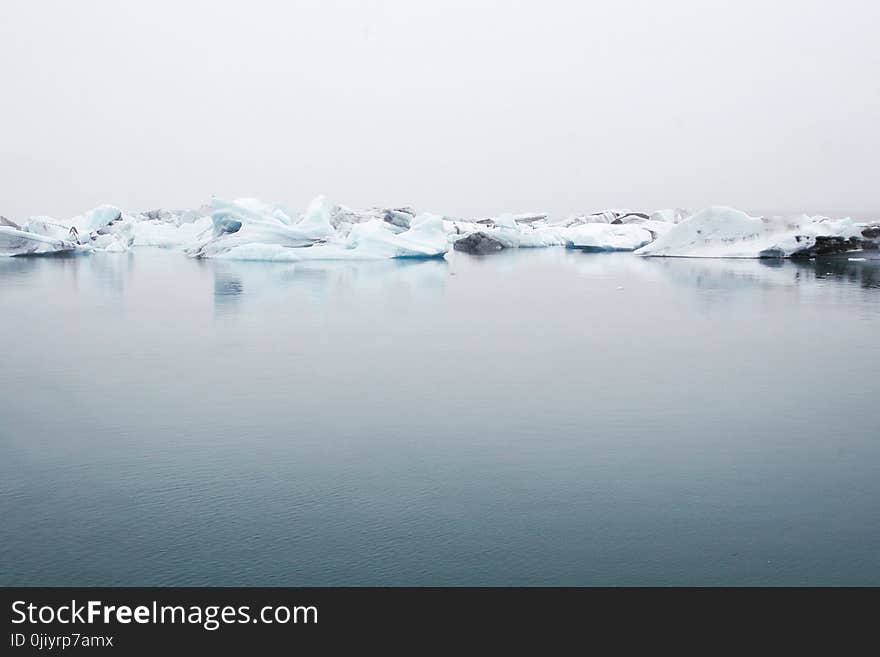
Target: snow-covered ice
{"points": [[607, 237], [721, 232], [102, 229], [612, 230], [17, 242], [325, 232]]}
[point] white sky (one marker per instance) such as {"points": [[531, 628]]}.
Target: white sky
{"points": [[455, 107]]}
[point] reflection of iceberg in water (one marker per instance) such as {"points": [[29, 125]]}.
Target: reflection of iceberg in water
{"points": [[736, 274], [18, 267], [865, 273], [228, 289], [83, 274], [240, 282], [110, 273], [609, 265], [725, 274]]}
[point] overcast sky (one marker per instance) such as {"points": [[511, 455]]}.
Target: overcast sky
{"points": [[453, 107]]}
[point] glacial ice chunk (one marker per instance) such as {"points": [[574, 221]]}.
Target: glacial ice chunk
{"points": [[722, 232], [317, 218], [607, 237], [325, 232], [511, 231], [16, 242], [170, 230], [671, 215], [96, 219]]}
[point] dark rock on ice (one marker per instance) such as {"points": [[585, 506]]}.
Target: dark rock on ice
{"points": [[829, 245], [772, 253], [478, 244], [871, 233]]}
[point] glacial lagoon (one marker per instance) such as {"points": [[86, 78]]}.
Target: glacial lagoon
{"points": [[532, 417]]}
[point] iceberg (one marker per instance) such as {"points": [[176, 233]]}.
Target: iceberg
{"points": [[169, 229], [104, 228], [241, 231], [607, 237], [722, 232], [170, 235], [17, 242], [514, 235], [97, 219], [322, 212], [425, 238], [607, 217], [610, 230], [671, 215], [510, 231]]}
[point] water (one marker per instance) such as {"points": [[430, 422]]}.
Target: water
{"points": [[536, 417]]}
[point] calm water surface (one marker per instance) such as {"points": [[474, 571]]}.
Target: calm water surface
{"points": [[536, 417]]}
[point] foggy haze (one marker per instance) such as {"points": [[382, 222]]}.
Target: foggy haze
{"points": [[462, 108]]}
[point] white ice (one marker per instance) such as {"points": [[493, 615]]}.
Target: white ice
{"points": [[607, 237], [721, 232], [324, 232], [17, 242]]}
